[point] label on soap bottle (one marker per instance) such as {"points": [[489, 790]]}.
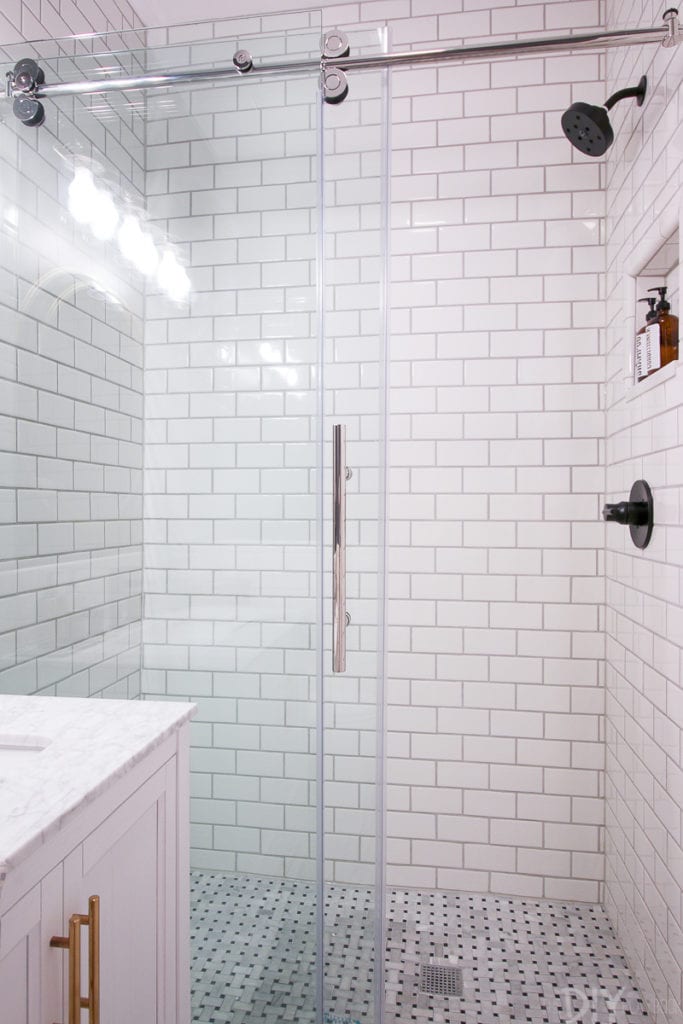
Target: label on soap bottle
{"points": [[653, 356], [639, 370]]}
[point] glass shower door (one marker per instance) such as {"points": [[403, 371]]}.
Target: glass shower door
{"points": [[167, 409]]}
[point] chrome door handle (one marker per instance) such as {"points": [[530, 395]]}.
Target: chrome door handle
{"points": [[340, 619]]}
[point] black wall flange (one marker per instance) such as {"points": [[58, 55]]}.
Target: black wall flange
{"points": [[637, 513], [637, 92]]}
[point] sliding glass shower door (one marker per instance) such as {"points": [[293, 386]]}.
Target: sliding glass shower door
{"points": [[192, 290]]}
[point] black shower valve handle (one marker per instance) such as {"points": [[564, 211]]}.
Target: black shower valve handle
{"points": [[628, 513], [637, 513]]}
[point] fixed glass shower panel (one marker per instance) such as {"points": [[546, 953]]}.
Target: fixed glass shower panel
{"points": [[71, 393], [230, 517], [355, 252], [165, 247]]}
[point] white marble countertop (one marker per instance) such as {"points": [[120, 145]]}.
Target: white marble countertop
{"points": [[87, 743]]}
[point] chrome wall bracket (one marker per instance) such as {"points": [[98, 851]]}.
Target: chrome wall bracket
{"points": [[335, 85], [243, 61], [673, 25], [334, 46], [22, 84]]}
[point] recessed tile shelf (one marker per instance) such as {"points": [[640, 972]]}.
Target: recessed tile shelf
{"points": [[667, 372], [655, 261]]}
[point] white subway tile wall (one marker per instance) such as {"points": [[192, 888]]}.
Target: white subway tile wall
{"points": [[644, 780], [496, 569], [70, 391], [54, 19], [496, 585]]}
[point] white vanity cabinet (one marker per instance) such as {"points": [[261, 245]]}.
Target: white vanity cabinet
{"points": [[127, 845]]}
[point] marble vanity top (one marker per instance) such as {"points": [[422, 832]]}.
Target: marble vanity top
{"points": [[56, 753]]}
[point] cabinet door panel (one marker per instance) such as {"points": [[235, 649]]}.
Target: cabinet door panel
{"points": [[51, 958], [19, 989], [122, 862]]}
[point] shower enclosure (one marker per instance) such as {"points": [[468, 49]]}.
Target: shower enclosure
{"points": [[193, 436], [193, 285]]}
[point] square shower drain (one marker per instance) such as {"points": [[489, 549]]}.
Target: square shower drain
{"points": [[441, 979]]}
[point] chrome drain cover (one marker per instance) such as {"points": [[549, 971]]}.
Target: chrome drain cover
{"points": [[441, 979]]}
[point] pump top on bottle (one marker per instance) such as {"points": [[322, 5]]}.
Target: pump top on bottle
{"points": [[661, 290], [651, 313]]}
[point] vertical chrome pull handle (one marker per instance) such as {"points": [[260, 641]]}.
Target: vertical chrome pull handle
{"points": [[339, 618]]}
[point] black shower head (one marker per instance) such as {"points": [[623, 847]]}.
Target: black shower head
{"points": [[588, 127]]}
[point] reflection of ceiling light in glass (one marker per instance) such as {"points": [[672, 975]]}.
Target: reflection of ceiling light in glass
{"points": [[90, 205], [95, 207], [269, 353], [82, 196], [105, 217], [137, 246], [147, 258], [129, 237], [173, 278], [10, 219]]}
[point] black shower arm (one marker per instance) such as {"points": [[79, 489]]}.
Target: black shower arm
{"points": [[625, 94]]}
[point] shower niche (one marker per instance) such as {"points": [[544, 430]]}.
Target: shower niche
{"points": [[656, 266]]}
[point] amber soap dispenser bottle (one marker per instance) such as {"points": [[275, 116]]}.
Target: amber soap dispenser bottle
{"points": [[668, 330]]}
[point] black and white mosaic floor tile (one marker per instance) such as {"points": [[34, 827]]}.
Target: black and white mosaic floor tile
{"points": [[522, 962], [537, 962], [253, 949]]}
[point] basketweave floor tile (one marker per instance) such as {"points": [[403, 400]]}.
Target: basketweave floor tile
{"points": [[521, 961]]}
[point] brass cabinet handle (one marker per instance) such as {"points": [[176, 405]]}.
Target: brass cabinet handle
{"points": [[72, 943], [94, 959]]}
